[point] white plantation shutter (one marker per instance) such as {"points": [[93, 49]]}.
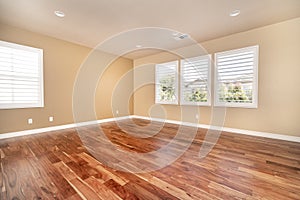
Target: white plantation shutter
{"points": [[195, 81], [21, 76], [236, 77], [166, 83]]}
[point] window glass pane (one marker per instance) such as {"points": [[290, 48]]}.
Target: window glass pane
{"points": [[195, 80], [21, 77], [166, 83], [236, 77]]}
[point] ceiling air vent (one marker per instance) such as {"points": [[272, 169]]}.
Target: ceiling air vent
{"points": [[181, 36]]}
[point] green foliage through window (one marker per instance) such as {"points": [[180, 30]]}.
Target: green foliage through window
{"points": [[197, 95], [235, 92], [167, 90]]}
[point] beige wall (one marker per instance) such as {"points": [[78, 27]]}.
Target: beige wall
{"points": [[279, 80], [61, 63], [279, 96]]}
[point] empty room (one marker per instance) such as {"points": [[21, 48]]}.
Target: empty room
{"points": [[136, 99]]}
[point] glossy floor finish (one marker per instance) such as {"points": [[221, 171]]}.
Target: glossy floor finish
{"points": [[55, 165]]}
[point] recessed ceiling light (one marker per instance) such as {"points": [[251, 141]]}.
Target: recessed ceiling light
{"points": [[59, 13], [138, 46], [234, 13]]}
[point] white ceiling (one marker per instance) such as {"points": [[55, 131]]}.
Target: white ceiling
{"points": [[89, 22]]}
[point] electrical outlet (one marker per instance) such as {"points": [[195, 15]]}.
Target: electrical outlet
{"points": [[197, 116], [30, 121], [51, 119], [117, 112]]}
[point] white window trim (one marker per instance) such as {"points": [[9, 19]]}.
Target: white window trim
{"points": [[254, 103], [176, 84], [41, 79], [182, 101]]}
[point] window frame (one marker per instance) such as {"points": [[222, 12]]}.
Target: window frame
{"points": [[176, 62], [254, 103], [39, 52], [182, 100]]}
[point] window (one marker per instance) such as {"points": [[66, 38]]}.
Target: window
{"points": [[195, 81], [236, 78], [21, 76], [166, 83]]}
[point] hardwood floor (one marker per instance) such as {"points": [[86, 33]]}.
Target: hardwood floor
{"points": [[56, 165]]}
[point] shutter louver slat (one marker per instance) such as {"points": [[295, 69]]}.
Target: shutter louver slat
{"points": [[232, 66], [234, 54]]}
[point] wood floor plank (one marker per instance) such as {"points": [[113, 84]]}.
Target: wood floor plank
{"points": [[101, 189], [94, 163], [171, 189], [57, 179], [65, 171], [120, 190], [84, 190], [140, 192]]}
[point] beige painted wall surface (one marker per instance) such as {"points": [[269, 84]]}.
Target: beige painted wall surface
{"points": [[279, 69], [62, 60], [114, 91]]}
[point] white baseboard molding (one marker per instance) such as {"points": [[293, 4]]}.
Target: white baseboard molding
{"points": [[60, 127], [226, 129], [205, 126]]}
